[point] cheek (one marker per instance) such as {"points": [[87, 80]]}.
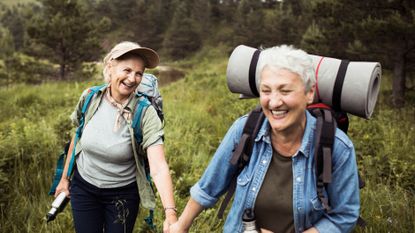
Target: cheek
{"points": [[263, 101], [138, 80], [113, 74]]}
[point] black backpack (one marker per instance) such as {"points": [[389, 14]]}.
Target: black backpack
{"points": [[327, 121]]}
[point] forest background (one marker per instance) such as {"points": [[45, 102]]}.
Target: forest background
{"points": [[50, 50]]}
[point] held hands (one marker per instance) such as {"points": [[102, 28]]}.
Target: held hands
{"points": [[171, 218], [177, 227]]}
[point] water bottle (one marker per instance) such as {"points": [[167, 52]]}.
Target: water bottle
{"points": [[57, 206], [248, 222]]}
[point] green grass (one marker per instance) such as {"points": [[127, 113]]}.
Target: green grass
{"points": [[199, 109], [15, 2]]}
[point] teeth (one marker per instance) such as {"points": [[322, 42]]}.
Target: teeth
{"points": [[278, 113], [128, 85]]}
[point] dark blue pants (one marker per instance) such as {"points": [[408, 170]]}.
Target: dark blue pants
{"points": [[109, 210]]}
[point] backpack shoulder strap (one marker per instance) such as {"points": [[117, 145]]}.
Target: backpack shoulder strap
{"points": [[91, 92], [327, 121], [243, 151], [60, 163], [142, 105], [323, 148]]}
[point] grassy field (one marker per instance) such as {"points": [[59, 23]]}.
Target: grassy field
{"points": [[34, 125], [15, 2]]}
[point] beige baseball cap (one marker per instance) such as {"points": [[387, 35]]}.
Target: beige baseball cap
{"points": [[150, 56]]}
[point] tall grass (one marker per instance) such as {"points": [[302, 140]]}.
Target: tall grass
{"points": [[34, 125]]}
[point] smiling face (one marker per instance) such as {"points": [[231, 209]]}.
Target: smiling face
{"points": [[284, 99], [126, 75]]}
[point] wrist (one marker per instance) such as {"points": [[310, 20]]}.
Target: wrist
{"points": [[170, 210], [185, 226], [170, 217]]}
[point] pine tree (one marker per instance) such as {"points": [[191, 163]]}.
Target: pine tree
{"points": [[372, 30], [249, 23], [311, 41], [6, 43], [149, 23], [182, 36], [13, 20], [65, 29]]}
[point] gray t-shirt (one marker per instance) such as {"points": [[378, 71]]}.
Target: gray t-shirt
{"points": [[107, 159]]}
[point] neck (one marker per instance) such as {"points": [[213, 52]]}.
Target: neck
{"points": [[289, 141], [117, 98]]}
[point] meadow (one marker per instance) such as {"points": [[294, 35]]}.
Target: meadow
{"points": [[34, 125]]}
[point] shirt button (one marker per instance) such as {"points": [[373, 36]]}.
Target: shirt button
{"points": [[254, 189], [300, 209], [298, 179], [264, 161], [300, 229]]}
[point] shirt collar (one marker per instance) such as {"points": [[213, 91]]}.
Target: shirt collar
{"points": [[131, 104]]}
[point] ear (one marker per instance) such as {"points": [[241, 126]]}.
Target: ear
{"points": [[310, 94], [109, 64]]}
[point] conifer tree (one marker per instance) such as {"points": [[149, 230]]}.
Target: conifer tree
{"points": [[249, 21], [149, 22], [182, 36], [6, 43], [13, 20], [67, 33], [372, 30]]}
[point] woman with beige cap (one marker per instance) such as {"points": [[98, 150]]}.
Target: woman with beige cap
{"points": [[108, 181]]}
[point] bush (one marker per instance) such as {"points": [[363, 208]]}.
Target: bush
{"points": [[27, 69], [86, 71]]}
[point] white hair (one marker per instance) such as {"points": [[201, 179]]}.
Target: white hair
{"points": [[289, 58]]}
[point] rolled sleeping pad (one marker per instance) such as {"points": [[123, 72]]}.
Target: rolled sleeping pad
{"points": [[351, 87]]}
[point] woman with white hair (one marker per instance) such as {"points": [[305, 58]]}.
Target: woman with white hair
{"points": [[109, 182], [279, 183]]}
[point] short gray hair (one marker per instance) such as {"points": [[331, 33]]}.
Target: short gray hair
{"points": [[289, 58]]}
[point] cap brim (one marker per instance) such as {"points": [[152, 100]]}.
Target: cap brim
{"points": [[150, 56]]}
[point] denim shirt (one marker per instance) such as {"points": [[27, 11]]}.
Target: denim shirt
{"points": [[343, 192]]}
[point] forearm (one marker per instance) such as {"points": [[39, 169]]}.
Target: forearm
{"points": [[164, 185], [63, 185], [190, 212], [68, 160], [159, 171]]}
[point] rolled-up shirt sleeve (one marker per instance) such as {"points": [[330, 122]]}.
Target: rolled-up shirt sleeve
{"points": [[152, 128], [76, 114]]}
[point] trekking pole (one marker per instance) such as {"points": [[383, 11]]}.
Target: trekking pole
{"points": [[57, 206]]}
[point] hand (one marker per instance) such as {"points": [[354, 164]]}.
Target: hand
{"points": [[311, 230], [63, 186], [171, 218], [177, 227]]}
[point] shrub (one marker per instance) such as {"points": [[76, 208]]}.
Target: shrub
{"points": [[27, 69]]}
